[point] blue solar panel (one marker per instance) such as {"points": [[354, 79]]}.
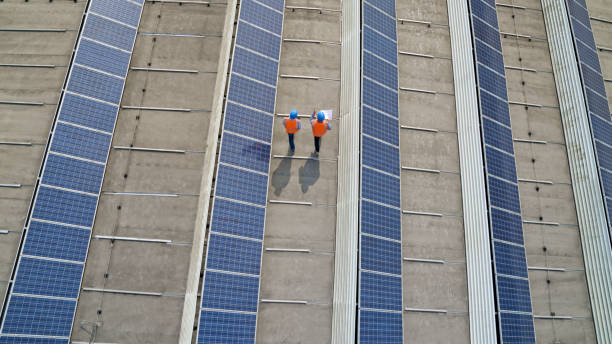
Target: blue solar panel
{"points": [[510, 260], [233, 254], [109, 32], [602, 130], [65, 207], [380, 220], [506, 226], [121, 10], [380, 22], [103, 58], [380, 98], [583, 33], [606, 178], [243, 152], [223, 327], [379, 45], [73, 174], [261, 16], [238, 219], [500, 164], [578, 12], [242, 185], [233, 292], [87, 112], [379, 187], [494, 107], [489, 57], [255, 66], [256, 39], [381, 255], [379, 70], [248, 122], [598, 104], [380, 156], [492, 82], [517, 328], [604, 155], [56, 241], [486, 33], [278, 5], [513, 294], [380, 291], [588, 56], [80, 142], [497, 135], [251, 93], [380, 126], [95, 84], [380, 327], [32, 340], [484, 12], [387, 6], [38, 316], [503, 194], [46, 277], [592, 80]]}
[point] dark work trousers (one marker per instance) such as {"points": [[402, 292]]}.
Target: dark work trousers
{"points": [[291, 144], [317, 143]]}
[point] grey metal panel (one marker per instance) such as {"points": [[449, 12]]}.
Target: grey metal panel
{"points": [[347, 223], [476, 225], [583, 168], [199, 235]]}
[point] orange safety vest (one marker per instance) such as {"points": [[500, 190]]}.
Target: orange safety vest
{"points": [[291, 126], [318, 129]]}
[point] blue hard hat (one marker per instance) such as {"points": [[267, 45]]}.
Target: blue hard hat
{"points": [[321, 116], [293, 114]]}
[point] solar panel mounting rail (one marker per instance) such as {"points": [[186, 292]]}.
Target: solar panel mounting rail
{"points": [[46, 280]]}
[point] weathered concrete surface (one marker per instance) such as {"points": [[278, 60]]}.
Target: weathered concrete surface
{"points": [[143, 266], [427, 285], [561, 293], [18, 123], [292, 275]]}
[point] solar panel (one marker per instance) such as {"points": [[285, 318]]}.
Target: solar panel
{"points": [[87, 112], [102, 57], [109, 32], [510, 264], [50, 263], [380, 224], [230, 288]]}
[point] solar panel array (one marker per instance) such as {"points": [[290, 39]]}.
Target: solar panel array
{"points": [[515, 316], [47, 278], [380, 239], [595, 93], [230, 288]]}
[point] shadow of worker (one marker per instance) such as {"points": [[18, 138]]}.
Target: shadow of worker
{"points": [[282, 174], [309, 173]]}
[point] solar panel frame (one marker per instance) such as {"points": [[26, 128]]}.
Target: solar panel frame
{"points": [[81, 226]]}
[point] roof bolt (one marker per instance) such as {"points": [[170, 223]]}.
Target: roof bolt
{"points": [[544, 248], [125, 176]]}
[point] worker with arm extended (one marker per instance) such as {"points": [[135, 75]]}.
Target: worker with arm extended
{"points": [[320, 126], [292, 126]]}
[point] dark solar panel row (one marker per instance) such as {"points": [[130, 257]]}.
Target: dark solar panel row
{"points": [[595, 91], [380, 258], [510, 264], [46, 283], [230, 289]]}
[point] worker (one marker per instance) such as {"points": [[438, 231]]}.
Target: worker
{"points": [[320, 126], [292, 126]]}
